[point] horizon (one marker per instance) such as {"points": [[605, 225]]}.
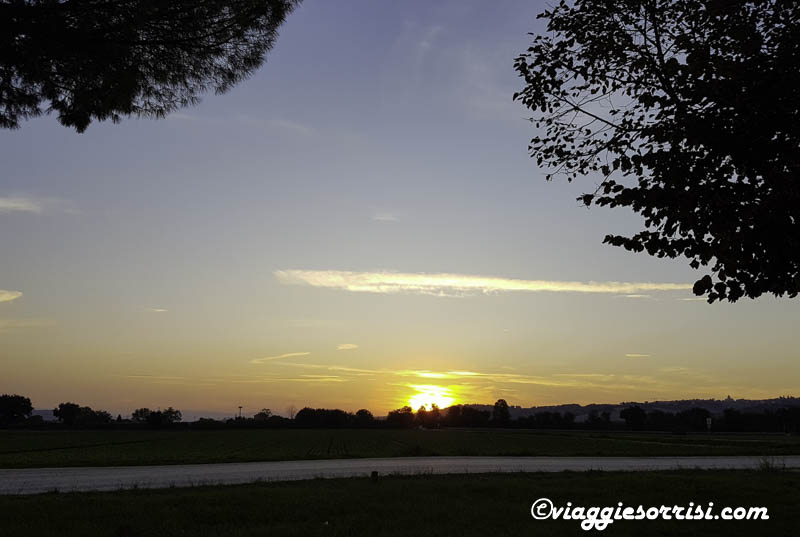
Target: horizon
{"points": [[360, 231], [193, 414]]}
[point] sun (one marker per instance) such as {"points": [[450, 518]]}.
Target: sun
{"points": [[428, 395]]}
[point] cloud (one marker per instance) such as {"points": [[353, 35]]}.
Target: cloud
{"points": [[20, 204], [636, 355], [300, 378], [293, 126], [171, 380], [456, 284], [414, 46], [475, 380], [384, 217], [636, 295], [8, 296], [155, 310], [270, 358], [35, 205], [247, 121], [426, 42], [678, 369], [466, 385], [346, 346]]}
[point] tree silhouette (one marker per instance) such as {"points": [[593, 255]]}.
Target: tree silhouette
{"points": [[402, 417], [500, 413], [453, 416], [14, 408], [421, 418], [156, 418], [687, 112], [105, 59], [693, 419], [364, 417], [634, 416], [141, 414], [264, 415], [67, 413], [434, 416], [71, 414]]}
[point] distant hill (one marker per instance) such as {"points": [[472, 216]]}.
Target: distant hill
{"points": [[715, 406], [47, 415]]}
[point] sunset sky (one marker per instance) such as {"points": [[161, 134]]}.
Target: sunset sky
{"points": [[356, 225]]}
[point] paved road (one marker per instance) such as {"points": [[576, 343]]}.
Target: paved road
{"points": [[37, 480]]}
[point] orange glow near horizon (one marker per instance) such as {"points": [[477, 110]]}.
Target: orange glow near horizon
{"points": [[428, 395]]}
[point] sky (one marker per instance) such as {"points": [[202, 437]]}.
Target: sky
{"points": [[357, 225]]}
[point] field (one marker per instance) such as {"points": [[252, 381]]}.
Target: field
{"points": [[29, 449], [478, 505]]}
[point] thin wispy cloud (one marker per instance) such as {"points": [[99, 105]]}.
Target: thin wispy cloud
{"points": [[467, 385], [278, 357], [300, 378], [474, 380], [346, 346], [292, 126], [413, 47], [247, 121], [20, 204], [217, 381], [676, 369], [427, 40], [155, 310], [8, 296], [384, 217], [456, 376], [172, 380], [444, 284], [35, 205], [636, 355]]}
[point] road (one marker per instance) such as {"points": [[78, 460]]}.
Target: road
{"points": [[37, 480]]}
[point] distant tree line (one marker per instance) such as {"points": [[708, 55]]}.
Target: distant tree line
{"points": [[72, 415], [17, 411], [156, 418], [697, 419]]}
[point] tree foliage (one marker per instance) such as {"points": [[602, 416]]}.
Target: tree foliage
{"points": [[140, 415], [364, 417], [105, 59], [635, 417], [67, 413], [500, 412], [156, 418], [263, 415], [323, 417], [466, 416], [401, 417], [688, 113], [72, 414], [14, 408]]}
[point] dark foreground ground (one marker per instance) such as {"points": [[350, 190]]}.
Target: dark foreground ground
{"points": [[474, 505], [31, 449]]}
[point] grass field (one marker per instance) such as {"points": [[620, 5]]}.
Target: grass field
{"points": [[479, 505], [26, 449]]}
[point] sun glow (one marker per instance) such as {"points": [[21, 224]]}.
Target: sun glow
{"points": [[428, 395]]}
